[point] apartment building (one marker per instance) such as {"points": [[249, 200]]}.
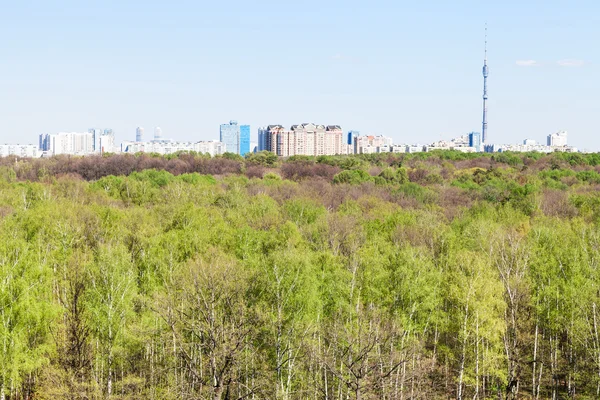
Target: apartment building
{"points": [[304, 139]]}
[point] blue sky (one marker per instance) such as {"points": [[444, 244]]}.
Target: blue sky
{"points": [[406, 69]]}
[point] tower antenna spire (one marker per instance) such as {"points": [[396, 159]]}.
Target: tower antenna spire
{"points": [[484, 136], [485, 46]]}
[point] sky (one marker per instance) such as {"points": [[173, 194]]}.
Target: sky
{"points": [[406, 69]]}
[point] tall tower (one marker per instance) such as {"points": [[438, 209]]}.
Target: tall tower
{"points": [[484, 128]]}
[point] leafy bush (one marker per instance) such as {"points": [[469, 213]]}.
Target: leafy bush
{"points": [[156, 178], [352, 177], [395, 176]]}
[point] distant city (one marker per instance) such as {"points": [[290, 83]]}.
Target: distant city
{"points": [[306, 139], [303, 139]]}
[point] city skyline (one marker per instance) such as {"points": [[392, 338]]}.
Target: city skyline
{"points": [[58, 75]]}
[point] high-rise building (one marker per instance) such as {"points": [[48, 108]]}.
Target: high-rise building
{"points": [[230, 135], [558, 139], [107, 143], [244, 140], [44, 142], [139, 134], [157, 133], [475, 140], [75, 143], [306, 139], [351, 136], [262, 138], [96, 133], [236, 137]]}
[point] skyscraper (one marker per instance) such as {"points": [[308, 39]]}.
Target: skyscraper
{"points": [[262, 138], [351, 136], [244, 140], [157, 133], [230, 134], [475, 140], [96, 133], [139, 134], [236, 137], [484, 128]]}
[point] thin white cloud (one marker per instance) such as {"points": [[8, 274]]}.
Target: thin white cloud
{"points": [[527, 63], [571, 63]]}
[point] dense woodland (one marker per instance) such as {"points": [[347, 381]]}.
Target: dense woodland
{"points": [[426, 276]]}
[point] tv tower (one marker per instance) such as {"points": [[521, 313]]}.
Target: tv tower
{"points": [[484, 128]]}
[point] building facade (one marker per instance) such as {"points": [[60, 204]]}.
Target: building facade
{"points": [[305, 139], [19, 150], [229, 134], [475, 141], [370, 143], [213, 148], [558, 139], [236, 137], [73, 143], [351, 136], [139, 134], [262, 138], [244, 140]]}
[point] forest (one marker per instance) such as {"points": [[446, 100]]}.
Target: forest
{"points": [[435, 275]]}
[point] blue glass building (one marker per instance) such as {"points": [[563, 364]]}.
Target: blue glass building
{"points": [[475, 140], [236, 137], [352, 135], [244, 140], [230, 134]]}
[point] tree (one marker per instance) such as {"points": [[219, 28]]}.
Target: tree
{"points": [[214, 327]]}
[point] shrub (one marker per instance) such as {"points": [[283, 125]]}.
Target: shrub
{"points": [[394, 176], [352, 177]]}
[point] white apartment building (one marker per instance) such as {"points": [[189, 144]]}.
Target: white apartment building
{"points": [[524, 148], [167, 147], [106, 144], [370, 144], [212, 147], [73, 143], [19, 150], [558, 139]]}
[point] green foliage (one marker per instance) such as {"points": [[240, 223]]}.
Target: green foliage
{"points": [[508, 158], [271, 176], [418, 192], [589, 176], [265, 158], [352, 177], [197, 179], [232, 156], [479, 279], [396, 176], [111, 185], [156, 178]]}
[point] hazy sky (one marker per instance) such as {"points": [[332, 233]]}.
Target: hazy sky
{"points": [[406, 69]]}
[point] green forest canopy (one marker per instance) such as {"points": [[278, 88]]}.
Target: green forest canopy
{"points": [[428, 276]]}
